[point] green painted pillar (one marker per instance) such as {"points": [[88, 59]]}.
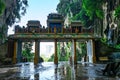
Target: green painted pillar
{"points": [[19, 51]]}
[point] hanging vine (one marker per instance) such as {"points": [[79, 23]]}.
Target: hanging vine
{"points": [[2, 7]]}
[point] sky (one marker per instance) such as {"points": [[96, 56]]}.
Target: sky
{"points": [[37, 10]]}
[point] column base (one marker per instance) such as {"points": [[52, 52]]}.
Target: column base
{"points": [[94, 59], [56, 60], [75, 61], [14, 60], [36, 61]]}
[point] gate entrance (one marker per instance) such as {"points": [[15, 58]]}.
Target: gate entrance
{"points": [[55, 32]]}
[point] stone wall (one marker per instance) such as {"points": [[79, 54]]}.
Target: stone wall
{"points": [[3, 50]]}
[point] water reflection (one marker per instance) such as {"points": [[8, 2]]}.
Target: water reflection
{"points": [[73, 73], [26, 71], [56, 72], [62, 71], [66, 72], [49, 71]]}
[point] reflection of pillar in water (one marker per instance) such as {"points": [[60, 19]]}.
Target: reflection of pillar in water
{"points": [[72, 54], [31, 71], [21, 69], [75, 69], [56, 77], [61, 71], [73, 77], [37, 76]]}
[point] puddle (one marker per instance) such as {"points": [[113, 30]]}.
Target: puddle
{"points": [[62, 71]]}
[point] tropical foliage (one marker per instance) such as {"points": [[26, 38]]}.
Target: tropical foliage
{"points": [[85, 10], [81, 11], [93, 8], [26, 52], [64, 53], [97, 14], [91, 13], [10, 13], [117, 12], [63, 7]]}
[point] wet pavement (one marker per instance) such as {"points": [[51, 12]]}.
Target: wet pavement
{"points": [[50, 71]]}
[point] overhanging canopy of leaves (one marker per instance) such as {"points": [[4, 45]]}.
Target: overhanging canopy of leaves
{"points": [[63, 7], [26, 52], [85, 19], [18, 8], [84, 10], [75, 7], [117, 12], [93, 8]]}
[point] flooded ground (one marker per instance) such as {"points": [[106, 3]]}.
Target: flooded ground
{"points": [[49, 71]]}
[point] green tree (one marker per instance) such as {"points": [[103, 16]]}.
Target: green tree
{"points": [[51, 59], [18, 8], [117, 12], [10, 13], [91, 13], [93, 8], [26, 52], [63, 7]]}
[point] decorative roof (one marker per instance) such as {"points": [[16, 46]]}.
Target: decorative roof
{"points": [[76, 23], [33, 23], [55, 16]]}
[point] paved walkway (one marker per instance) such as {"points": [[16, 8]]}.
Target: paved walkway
{"points": [[49, 71]]}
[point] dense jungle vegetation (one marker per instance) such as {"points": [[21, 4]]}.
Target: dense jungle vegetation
{"points": [[102, 15], [97, 14]]}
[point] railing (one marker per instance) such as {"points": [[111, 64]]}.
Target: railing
{"points": [[52, 30]]}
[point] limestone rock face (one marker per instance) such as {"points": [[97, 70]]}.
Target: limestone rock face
{"points": [[4, 26], [3, 50], [3, 19], [110, 22]]}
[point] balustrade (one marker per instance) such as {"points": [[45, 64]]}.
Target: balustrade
{"points": [[52, 30]]}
